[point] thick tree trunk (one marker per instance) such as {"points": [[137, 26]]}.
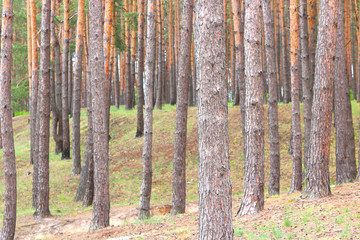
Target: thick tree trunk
{"points": [[253, 198], [317, 176], [43, 114], [101, 210], [215, 217], [184, 76], [269, 28], [296, 183], [345, 164], [65, 107], [140, 90], [145, 193], [76, 156], [9, 222]]}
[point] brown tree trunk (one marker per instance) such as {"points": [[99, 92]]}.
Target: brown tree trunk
{"points": [[159, 92], [171, 54], [9, 222], [317, 176], [215, 217], [43, 114], [128, 102], [101, 210], [296, 183], [140, 90], [29, 55], [34, 80], [76, 156], [312, 43], [306, 77], [70, 77], [65, 107], [145, 193], [253, 198], [345, 163], [184, 76], [284, 56], [237, 38], [269, 29]]}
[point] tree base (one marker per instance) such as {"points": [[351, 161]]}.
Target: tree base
{"points": [[41, 214], [65, 154], [144, 214], [139, 134]]}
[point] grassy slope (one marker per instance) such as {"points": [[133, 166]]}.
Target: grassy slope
{"points": [[126, 162]]}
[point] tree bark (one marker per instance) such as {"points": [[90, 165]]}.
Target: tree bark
{"points": [[128, 102], [269, 29], [159, 92], [345, 164], [9, 222], [140, 90], [43, 113], [145, 193], [184, 76], [284, 56], [76, 156], [317, 176], [215, 217], [296, 183], [253, 198], [65, 107]]}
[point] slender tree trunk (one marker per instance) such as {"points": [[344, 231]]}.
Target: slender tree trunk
{"points": [[145, 193], [9, 222], [237, 38], [70, 80], [347, 30], [76, 156], [184, 76], [43, 113], [306, 77], [159, 92], [253, 198], [296, 183], [128, 104], [29, 55], [171, 54], [34, 81], [317, 176], [312, 44], [242, 90], [345, 164], [65, 107], [140, 90], [215, 217], [116, 80], [269, 29], [101, 210]]}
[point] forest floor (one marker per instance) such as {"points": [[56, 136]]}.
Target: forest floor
{"points": [[284, 217]]}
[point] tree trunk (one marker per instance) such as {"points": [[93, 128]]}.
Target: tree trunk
{"points": [[145, 193], [29, 56], [253, 198], [296, 183], [128, 102], [34, 81], [345, 164], [70, 80], [101, 210], [9, 222], [43, 114], [312, 45], [284, 56], [140, 90], [269, 29], [215, 217], [184, 71], [317, 176], [237, 37], [65, 107], [159, 92], [306, 77], [76, 156]]}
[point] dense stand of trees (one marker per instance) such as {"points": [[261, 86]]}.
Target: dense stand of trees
{"points": [[134, 53]]}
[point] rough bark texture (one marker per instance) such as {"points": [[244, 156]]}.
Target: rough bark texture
{"points": [[215, 218], [145, 193], [317, 176], [345, 164], [43, 114], [76, 156], [128, 101], [296, 182], [140, 90], [268, 16], [171, 54], [284, 56], [253, 198], [159, 90], [101, 210], [237, 39], [305, 77], [184, 76], [34, 80], [64, 92], [9, 222], [312, 43]]}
